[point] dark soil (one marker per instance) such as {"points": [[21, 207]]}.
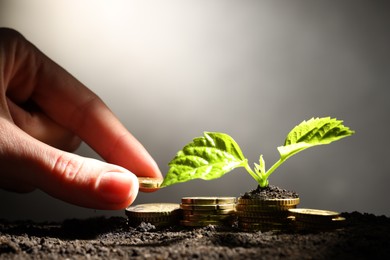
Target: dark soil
{"points": [[364, 236], [270, 192]]}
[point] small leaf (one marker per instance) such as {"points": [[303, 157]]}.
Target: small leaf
{"points": [[207, 157], [260, 168], [316, 131]]}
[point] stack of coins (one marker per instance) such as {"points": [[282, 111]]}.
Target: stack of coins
{"points": [[158, 214], [204, 211], [316, 219], [264, 214]]}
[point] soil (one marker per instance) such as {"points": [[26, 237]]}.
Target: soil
{"points": [[364, 236], [270, 192]]}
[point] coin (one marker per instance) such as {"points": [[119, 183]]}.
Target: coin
{"points": [[158, 214], [313, 215], [264, 214], [149, 183], [261, 208], [316, 219], [203, 211], [206, 207], [153, 210], [209, 212], [275, 202], [207, 217], [208, 200], [261, 212], [153, 219], [262, 217], [314, 212], [338, 219]]}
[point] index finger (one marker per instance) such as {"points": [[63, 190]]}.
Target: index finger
{"points": [[68, 102]]}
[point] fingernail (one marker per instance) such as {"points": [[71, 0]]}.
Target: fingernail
{"points": [[117, 187]]}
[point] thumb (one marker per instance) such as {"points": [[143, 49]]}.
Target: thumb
{"points": [[87, 182], [78, 180]]}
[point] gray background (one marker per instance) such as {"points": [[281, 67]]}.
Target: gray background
{"points": [[253, 69]]}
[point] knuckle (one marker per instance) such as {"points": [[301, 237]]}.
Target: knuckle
{"points": [[67, 167]]}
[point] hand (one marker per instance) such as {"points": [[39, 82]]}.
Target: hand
{"points": [[44, 115]]}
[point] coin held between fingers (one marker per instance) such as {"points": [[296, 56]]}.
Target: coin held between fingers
{"points": [[149, 184]]}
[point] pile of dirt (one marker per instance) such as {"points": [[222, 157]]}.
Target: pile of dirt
{"points": [[269, 192], [364, 236]]}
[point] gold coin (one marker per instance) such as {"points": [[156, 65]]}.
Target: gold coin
{"points": [[263, 219], [153, 219], [275, 202], [208, 200], [335, 223], [260, 218], [149, 183], [209, 212], [338, 219], [261, 208], [338, 222], [265, 213], [206, 207], [314, 219], [207, 217], [153, 210], [313, 215]]}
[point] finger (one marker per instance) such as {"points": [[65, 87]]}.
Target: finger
{"points": [[66, 176], [85, 114], [39, 126], [88, 182], [67, 102]]}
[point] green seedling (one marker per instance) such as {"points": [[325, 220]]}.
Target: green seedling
{"points": [[215, 154]]}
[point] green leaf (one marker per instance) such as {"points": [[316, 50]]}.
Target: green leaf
{"points": [[260, 168], [316, 131], [260, 172], [207, 157]]}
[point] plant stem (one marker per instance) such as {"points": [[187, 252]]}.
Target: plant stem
{"points": [[252, 173], [273, 168]]}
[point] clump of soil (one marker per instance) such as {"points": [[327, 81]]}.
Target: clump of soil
{"points": [[269, 192]]}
